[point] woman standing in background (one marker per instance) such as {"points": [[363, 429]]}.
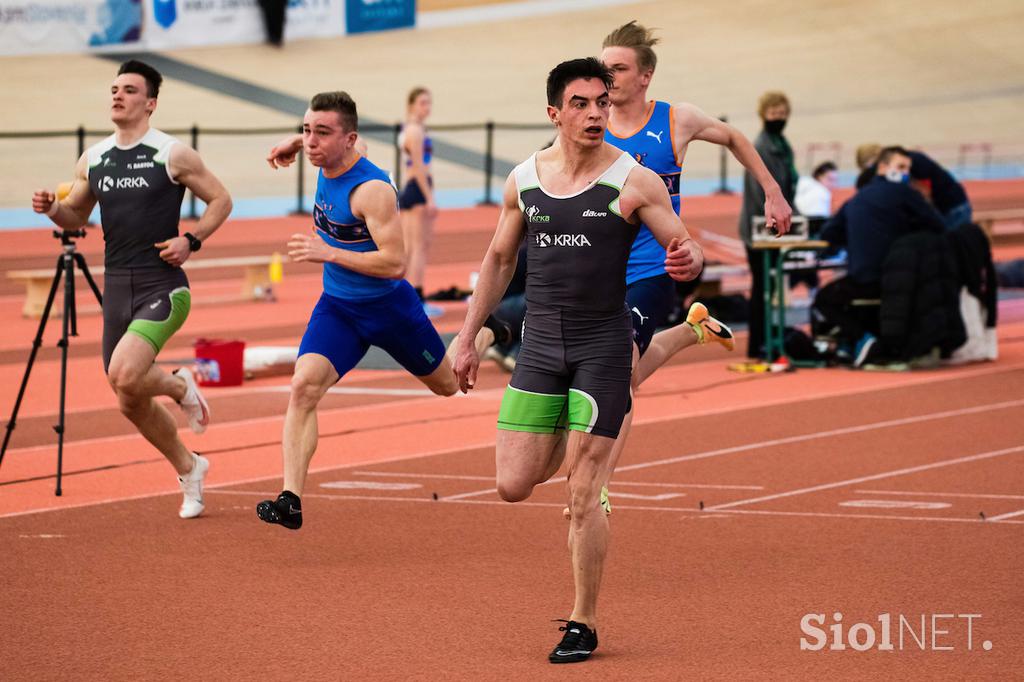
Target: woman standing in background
{"points": [[417, 198]]}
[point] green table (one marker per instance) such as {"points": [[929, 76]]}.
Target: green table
{"points": [[775, 315]]}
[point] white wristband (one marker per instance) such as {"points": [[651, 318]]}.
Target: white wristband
{"points": [[54, 207]]}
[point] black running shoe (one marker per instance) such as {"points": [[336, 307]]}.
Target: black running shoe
{"points": [[577, 644], [286, 510], [502, 333]]}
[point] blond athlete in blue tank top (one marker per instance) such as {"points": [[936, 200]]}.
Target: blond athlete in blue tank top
{"points": [[628, 52]]}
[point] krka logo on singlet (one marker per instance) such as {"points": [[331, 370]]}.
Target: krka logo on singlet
{"points": [[543, 240], [533, 215]]}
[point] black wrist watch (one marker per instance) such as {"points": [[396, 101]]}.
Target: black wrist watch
{"points": [[193, 242]]}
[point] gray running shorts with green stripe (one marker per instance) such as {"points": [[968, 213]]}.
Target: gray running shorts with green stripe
{"points": [[572, 372], [151, 303]]}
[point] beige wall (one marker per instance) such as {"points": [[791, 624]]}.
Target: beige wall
{"points": [[920, 72]]}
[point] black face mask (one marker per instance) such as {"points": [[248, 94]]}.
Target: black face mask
{"points": [[775, 127]]}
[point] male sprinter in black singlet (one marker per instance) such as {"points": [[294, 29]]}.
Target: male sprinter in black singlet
{"points": [[579, 204], [139, 175]]}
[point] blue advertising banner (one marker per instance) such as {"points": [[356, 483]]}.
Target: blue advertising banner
{"points": [[362, 16]]}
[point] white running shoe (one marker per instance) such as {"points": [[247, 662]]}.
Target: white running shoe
{"points": [[192, 488], [193, 404]]}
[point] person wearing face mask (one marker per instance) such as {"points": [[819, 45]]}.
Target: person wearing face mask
{"points": [[947, 195], [884, 210], [777, 154]]}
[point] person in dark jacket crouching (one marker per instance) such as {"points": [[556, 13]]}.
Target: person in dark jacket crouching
{"points": [[867, 225]]}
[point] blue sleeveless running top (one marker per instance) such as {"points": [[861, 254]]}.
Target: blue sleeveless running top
{"points": [[651, 146], [428, 148], [338, 227]]}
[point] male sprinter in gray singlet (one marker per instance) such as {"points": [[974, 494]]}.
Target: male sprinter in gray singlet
{"points": [[139, 175], [579, 205]]}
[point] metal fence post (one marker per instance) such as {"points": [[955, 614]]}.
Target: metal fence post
{"points": [[192, 200], [723, 163], [488, 163], [81, 141]]}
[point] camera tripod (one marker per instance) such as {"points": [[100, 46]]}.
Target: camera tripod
{"points": [[69, 327]]}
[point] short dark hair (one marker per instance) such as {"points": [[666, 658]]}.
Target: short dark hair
{"points": [[824, 167], [888, 152], [567, 72], [341, 103], [152, 76]]}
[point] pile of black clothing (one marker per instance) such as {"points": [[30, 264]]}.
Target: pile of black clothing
{"points": [[922, 277]]}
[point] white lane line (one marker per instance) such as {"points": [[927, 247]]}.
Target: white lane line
{"points": [[706, 514], [872, 477], [945, 414], [924, 379], [357, 390], [245, 481], [1007, 516], [398, 474], [826, 515], [872, 426], [986, 496], [614, 484]]}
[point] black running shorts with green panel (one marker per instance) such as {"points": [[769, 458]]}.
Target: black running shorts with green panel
{"points": [[147, 302], [574, 367], [571, 372]]}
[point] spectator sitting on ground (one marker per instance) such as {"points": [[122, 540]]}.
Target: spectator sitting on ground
{"points": [[867, 225], [947, 195]]}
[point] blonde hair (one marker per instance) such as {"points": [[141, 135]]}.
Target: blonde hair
{"points": [[867, 154], [771, 99], [414, 93], [637, 37]]}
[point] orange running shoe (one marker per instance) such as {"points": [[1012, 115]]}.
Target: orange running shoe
{"points": [[708, 328]]}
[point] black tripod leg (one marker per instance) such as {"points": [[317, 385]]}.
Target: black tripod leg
{"points": [[80, 259], [36, 343], [68, 324]]}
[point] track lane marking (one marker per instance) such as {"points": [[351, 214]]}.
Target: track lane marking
{"points": [[706, 514], [846, 430], [872, 477]]}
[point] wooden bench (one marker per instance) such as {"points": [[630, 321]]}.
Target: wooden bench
{"points": [[255, 286], [1002, 226]]}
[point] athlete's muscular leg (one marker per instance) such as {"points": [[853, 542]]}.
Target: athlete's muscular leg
{"points": [[442, 380], [588, 531], [524, 460], [663, 346], [314, 374], [627, 422], [136, 380]]}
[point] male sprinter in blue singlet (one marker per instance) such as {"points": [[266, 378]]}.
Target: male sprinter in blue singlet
{"points": [[578, 204], [365, 301], [657, 134]]}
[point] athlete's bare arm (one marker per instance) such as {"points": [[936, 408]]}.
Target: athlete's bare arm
{"points": [[693, 124], [187, 168], [284, 153], [373, 202], [72, 211], [645, 200], [496, 271]]}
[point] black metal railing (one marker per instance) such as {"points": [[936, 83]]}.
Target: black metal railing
{"points": [[488, 163]]}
